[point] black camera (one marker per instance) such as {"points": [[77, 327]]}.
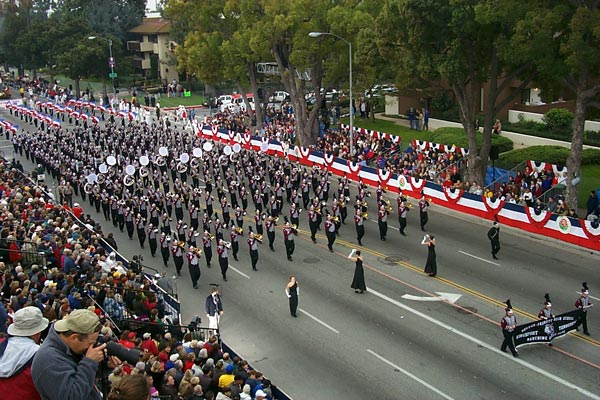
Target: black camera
{"points": [[131, 356]]}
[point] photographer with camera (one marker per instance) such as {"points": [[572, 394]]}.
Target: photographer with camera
{"points": [[65, 367]]}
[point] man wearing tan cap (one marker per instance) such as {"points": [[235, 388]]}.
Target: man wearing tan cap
{"points": [[66, 365], [16, 354]]}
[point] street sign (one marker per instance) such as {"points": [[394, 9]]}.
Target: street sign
{"points": [[112, 75]]}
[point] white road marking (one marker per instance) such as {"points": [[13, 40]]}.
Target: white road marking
{"points": [[410, 375], [479, 258], [319, 321], [590, 296], [239, 272], [449, 297], [483, 344]]}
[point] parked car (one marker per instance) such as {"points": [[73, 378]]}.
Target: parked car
{"points": [[239, 101], [279, 97]]}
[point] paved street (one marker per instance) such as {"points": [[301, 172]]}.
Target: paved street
{"points": [[378, 344]]}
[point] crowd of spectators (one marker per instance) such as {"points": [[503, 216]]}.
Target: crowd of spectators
{"points": [[51, 263]]}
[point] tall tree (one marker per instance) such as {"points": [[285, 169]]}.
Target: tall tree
{"points": [[462, 43], [563, 39]]}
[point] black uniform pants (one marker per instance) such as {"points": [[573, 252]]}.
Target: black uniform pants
{"points": [[290, 246], [383, 227], [495, 246], [508, 341], [254, 258]]}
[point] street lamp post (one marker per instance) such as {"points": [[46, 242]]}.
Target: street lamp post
{"points": [[111, 61], [318, 34]]}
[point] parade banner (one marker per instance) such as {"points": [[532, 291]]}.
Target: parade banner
{"points": [[544, 331]]}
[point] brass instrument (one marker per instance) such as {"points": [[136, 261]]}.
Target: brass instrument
{"points": [[258, 237], [239, 230], [212, 237], [364, 215], [364, 204], [409, 205], [227, 244], [318, 211], [388, 207], [181, 244], [144, 171], [335, 219], [195, 250], [275, 219], [294, 226]]}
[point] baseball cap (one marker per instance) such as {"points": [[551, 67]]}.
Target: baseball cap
{"points": [[27, 322], [260, 393], [79, 321]]}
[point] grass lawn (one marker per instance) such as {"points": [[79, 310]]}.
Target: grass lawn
{"points": [[590, 180], [84, 84], [193, 100], [390, 127]]}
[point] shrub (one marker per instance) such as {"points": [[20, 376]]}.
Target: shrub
{"points": [[551, 154], [458, 137], [590, 157], [441, 102], [558, 119]]}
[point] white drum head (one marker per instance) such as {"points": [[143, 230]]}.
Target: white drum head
{"points": [[130, 170], [197, 152], [144, 160], [207, 146], [227, 150], [103, 168], [111, 160], [92, 178], [184, 158], [163, 151]]}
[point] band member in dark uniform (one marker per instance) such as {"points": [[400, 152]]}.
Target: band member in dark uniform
{"points": [[295, 215], [223, 258], [292, 291], [423, 209], [177, 251], [141, 229], [288, 238], [253, 248], [312, 222], [546, 311], [508, 324], [358, 282], [359, 221], [164, 248], [330, 232], [235, 245], [152, 239], [382, 214], [193, 257], [207, 246], [270, 227], [494, 236], [258, 222], [402, 213], [583, 303]]}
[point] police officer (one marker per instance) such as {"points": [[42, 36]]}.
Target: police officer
{"points": [[508, 324], [583, 303], [494, 237]]}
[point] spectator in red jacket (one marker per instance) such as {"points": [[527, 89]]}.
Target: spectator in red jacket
{"points": [[149, 345]]}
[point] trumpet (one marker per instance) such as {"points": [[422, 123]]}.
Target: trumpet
{"points": [[335, 219], [318, 211], [389, 209], [212, 237], [275, 219], [239, 230], [181, 244], [364, 215], [258, 237], [409, 205], [195, 250], [364, 204]]}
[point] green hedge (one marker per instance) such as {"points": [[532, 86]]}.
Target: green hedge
{"points": [[538, 129], [550, 154], [458, 137]]}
